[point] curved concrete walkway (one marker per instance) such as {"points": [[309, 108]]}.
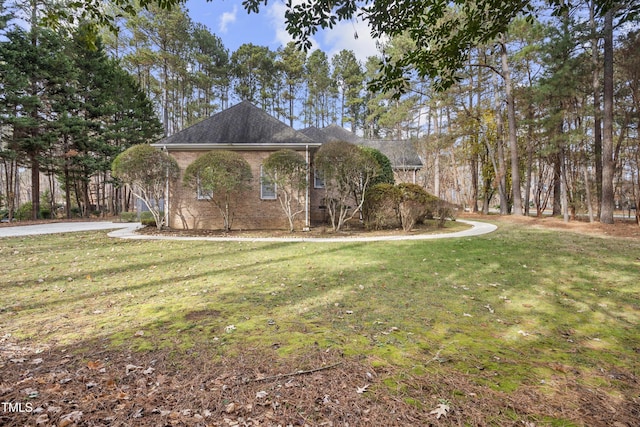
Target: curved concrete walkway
{"points": [[127, 231], [477, 229], [59, 227]]}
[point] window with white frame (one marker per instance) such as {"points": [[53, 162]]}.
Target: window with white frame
{"points": [[267, 188], [201, 193], [318, 179]]}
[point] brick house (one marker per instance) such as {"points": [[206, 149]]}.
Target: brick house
{"points": [[255, 134]]}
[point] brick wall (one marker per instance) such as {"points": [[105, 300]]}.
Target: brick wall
{"points": [[251, 212]]}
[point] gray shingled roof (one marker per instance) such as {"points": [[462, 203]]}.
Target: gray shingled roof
{"points": [[317, 134], [244, 123], [341, 134], [402, 154]]}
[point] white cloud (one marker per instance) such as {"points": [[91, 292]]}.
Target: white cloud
{"points": [[226, 19], [350, 35], [332, 41], [275, 15]]}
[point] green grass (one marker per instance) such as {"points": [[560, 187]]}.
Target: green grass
{"points": [[511, 309]]}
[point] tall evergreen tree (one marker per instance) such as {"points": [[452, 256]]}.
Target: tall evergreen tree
{"points": [[349, 78], [291, 63], [320, 90]]}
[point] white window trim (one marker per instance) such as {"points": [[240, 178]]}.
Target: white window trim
{"points": [[318, 182], [263, 184], [201, 195]]}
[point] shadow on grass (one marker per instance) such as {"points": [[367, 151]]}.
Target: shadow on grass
{"points": [[490, 325]]}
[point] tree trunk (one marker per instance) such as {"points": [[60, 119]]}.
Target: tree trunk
{"points": [[474, 183], [607, 205], [501, 171], [513, 135], [529, 167], [35, 186], [597, 122], [557, 188], [587, 187], [436, 157], [564, 186]]}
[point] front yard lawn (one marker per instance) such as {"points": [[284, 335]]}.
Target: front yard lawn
{"points": [[520, 327]]}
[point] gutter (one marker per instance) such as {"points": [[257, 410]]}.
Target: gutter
{"points": [[234, 146]]}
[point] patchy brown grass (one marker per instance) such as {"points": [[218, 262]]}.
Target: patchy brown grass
{"points": [[89, 385], [622, 227]]}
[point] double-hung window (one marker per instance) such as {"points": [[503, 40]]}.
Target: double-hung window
{"points": [[267, 187], [203, 194], [318, 179]]}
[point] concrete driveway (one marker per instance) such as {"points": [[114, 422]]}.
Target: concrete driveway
{"points": [[60, 227]]}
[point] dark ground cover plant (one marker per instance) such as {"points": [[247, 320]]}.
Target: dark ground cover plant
{"points": [[524, 326]]}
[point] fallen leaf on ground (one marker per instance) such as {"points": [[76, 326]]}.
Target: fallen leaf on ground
{"points": [[440, 410], [70, 418], [42, 419], [362, 389], [131, 367], [94, 365]]}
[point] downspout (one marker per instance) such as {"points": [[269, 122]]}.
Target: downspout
{"points": [[166, 193], [307, 224]]}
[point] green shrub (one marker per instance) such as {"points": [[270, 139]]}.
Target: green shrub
{"points": [[146, 218], [389, 206], [380, 209], [45, 213], [24, 211], [415, 205], [386, 171], [128, 217]]}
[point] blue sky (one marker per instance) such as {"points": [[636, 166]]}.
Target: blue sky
{"points": [[230, 21]]}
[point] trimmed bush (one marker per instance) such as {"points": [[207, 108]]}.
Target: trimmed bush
{"points": [[128, 217], [445, 210], [389, 206], [146, 218], [380, 209], [415, 205]]}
